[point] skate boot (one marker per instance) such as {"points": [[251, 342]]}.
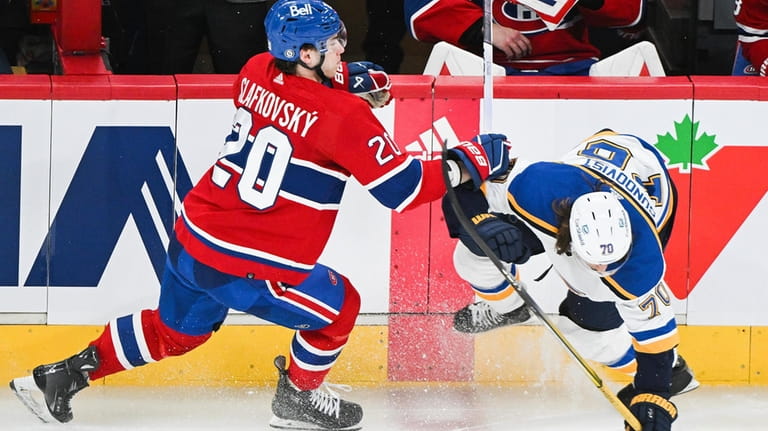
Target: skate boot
{"points": [[481, 317], [48, 391], [318, 409], [682, 381]]}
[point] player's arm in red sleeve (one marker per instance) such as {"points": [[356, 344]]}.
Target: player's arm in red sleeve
{"points": [[442, 20], [752, 21], [392, 176], [362, 146], [612, 13]]}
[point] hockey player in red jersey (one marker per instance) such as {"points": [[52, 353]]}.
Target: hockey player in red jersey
{"points": [[523, 43], [752, 49], [252, 229]]}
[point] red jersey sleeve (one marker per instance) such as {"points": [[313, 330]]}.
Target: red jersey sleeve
{"points": [[443, 20], [361, 145]]}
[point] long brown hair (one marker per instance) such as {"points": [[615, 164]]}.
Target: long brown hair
{"points": [[562, 209]]}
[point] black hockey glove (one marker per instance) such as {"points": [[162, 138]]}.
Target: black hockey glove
{"points": [[503, 239], [654, 412]]}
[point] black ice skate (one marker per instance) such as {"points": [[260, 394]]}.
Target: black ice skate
{"points": [[683, 381], [319, 409], [48, 391], [480, 317]]}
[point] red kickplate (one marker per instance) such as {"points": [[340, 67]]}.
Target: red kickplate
{"points": [[447, 291]]}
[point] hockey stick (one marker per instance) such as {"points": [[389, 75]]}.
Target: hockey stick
{"points": [[519, 287], [487, 67]]}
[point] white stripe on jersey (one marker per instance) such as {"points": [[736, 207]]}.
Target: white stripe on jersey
{"points": [[243, 250], [306, 202], [318, 168]]}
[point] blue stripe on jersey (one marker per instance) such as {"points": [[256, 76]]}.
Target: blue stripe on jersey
{"points": [[297, 267], [325, 189], [396, 189], [128, 341], [624, 360], [310, 358], [653, 333]]}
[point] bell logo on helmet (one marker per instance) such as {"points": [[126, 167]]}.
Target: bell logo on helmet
{"points": [[300, 10]]}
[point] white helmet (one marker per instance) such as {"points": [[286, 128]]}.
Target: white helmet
{"points": [[600, 230]]}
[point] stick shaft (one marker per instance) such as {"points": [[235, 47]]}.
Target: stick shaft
{"points": [[487, 114]]}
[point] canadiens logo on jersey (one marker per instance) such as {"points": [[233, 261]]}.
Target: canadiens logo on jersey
{"points": [[522, 18]]}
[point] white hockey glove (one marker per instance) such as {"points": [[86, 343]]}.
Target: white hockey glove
{"points": [[367, 80]]}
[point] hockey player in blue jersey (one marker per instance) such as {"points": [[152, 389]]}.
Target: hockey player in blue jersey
{"points": [[602, 215]]}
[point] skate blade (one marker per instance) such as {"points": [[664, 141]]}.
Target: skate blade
{"points": [[287, 424], [32, 397], [693, 384]]}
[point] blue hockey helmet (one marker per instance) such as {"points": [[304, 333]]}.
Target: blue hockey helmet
{"points": [[290, 24]]}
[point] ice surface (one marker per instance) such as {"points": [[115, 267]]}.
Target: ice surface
{"points": [[403, 408]]}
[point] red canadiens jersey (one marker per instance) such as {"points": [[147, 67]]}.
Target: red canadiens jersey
{"points": [[265, 209], [752, 21], [447, 20]]}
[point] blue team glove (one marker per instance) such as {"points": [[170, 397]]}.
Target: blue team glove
{"points": [[503, 239], [654, 412], [485, 157], [369, 81]]}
